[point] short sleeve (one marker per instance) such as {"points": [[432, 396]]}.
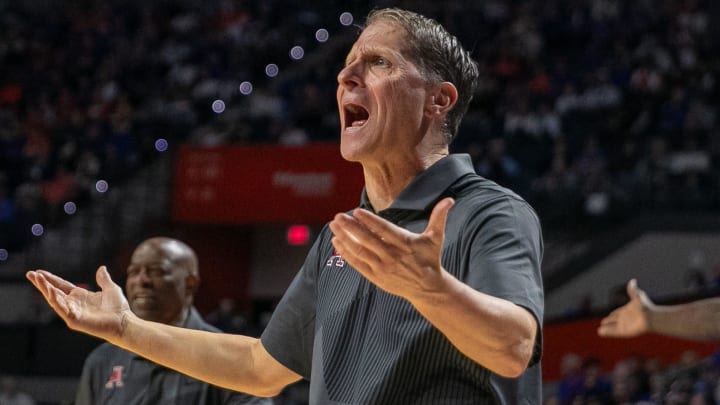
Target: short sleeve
{"points": [[506, 251], [289, 335]]}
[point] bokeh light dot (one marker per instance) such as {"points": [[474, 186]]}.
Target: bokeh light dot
{"points": [[101, 186], [297, 52], [70, 208], [37, 229], [322, 35], [346, 18], [161, 145], [3, 255], [218, 106], [245, 88], [272, 70]]}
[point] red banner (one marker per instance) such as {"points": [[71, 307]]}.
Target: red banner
{"points": [[254, 184]]}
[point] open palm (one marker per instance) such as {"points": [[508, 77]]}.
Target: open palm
{"points": [[96, 313], [630, 319], [397, 260]]}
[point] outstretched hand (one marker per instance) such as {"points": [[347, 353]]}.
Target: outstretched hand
{"points": [[396, 260], [99, 313], [630, 319]]}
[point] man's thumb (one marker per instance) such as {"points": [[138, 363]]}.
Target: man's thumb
{"points": [[102, 278], [632, 289]]}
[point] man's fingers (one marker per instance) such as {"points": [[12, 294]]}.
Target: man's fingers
{"points": [[351, 249], [603, 329], [606, 330], [42, 284], [608, 325], [58, 301], [383, 229], [607, 320], [64, 285], [54, 296], [35, 279], [355, 232], [358, 259]]}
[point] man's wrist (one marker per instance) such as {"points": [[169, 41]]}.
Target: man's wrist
{"points": [[651, 318], [125, 319]]}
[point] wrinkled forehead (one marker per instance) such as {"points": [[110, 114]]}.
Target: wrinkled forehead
{"points": [[381, 34]]}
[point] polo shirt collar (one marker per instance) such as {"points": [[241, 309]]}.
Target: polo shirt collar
{"points": [[193, 321], [429, 186]]}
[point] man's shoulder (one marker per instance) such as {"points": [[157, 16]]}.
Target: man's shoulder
{"points": [[481, 193]]}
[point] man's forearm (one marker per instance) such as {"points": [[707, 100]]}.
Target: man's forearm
{"points": [[228, 361], [699, 320], [494, 332]]}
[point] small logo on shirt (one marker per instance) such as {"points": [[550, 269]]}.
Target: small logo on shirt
{"points": [[116, 378], [335, 259]]}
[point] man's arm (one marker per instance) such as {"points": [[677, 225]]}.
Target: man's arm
{"points": [[697, 320], [231, 361], [494, 332]]}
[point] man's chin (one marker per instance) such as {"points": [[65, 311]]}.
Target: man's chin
{"points": [[144, 312], [349, 152]]}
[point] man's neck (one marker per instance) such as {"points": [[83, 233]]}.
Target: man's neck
{"points": [[384, 182], [182, 319]]}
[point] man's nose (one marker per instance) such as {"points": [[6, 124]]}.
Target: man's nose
{"points": [[349, 77], [143, 276]]}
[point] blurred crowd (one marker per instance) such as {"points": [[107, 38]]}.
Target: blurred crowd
{"points": [[589, 109], [637, 381], [91, 91], [596, 108]]}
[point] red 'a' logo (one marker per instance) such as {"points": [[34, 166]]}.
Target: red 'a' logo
{"points": [[116, 378], [339, 261]]}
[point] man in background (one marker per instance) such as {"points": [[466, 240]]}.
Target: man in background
{"points": [[162, 279], [10, 394]]}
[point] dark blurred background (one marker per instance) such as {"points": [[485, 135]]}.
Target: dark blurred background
{"points": [[121, 120]]}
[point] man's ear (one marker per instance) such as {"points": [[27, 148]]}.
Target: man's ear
{"points": [[192, 283], [441, 99]]}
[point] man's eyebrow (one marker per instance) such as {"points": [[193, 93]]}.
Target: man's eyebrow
{"points": [[351, 56], [365, 51], [147, 264]]}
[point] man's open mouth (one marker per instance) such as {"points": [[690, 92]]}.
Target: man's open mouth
{"points": [[355, 115]]}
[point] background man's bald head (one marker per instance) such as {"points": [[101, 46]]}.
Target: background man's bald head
{"points": [[177, 251]]}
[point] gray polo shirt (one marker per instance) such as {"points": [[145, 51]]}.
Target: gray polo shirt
{"points": [[112, 375], [360, 345]]}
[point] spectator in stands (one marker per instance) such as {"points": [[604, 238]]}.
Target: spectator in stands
{"points": [[227, 318], [11, 395], [381, 312], [697, 320], [597, 387], [7, 212], [601, 65], [162, 279], [572, 379], [499, 167]]}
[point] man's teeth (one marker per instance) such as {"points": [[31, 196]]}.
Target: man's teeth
{"points": [[358, 123]]}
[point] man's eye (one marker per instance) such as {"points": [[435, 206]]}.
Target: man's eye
{"points": [[380, 61], [157, 272]]}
